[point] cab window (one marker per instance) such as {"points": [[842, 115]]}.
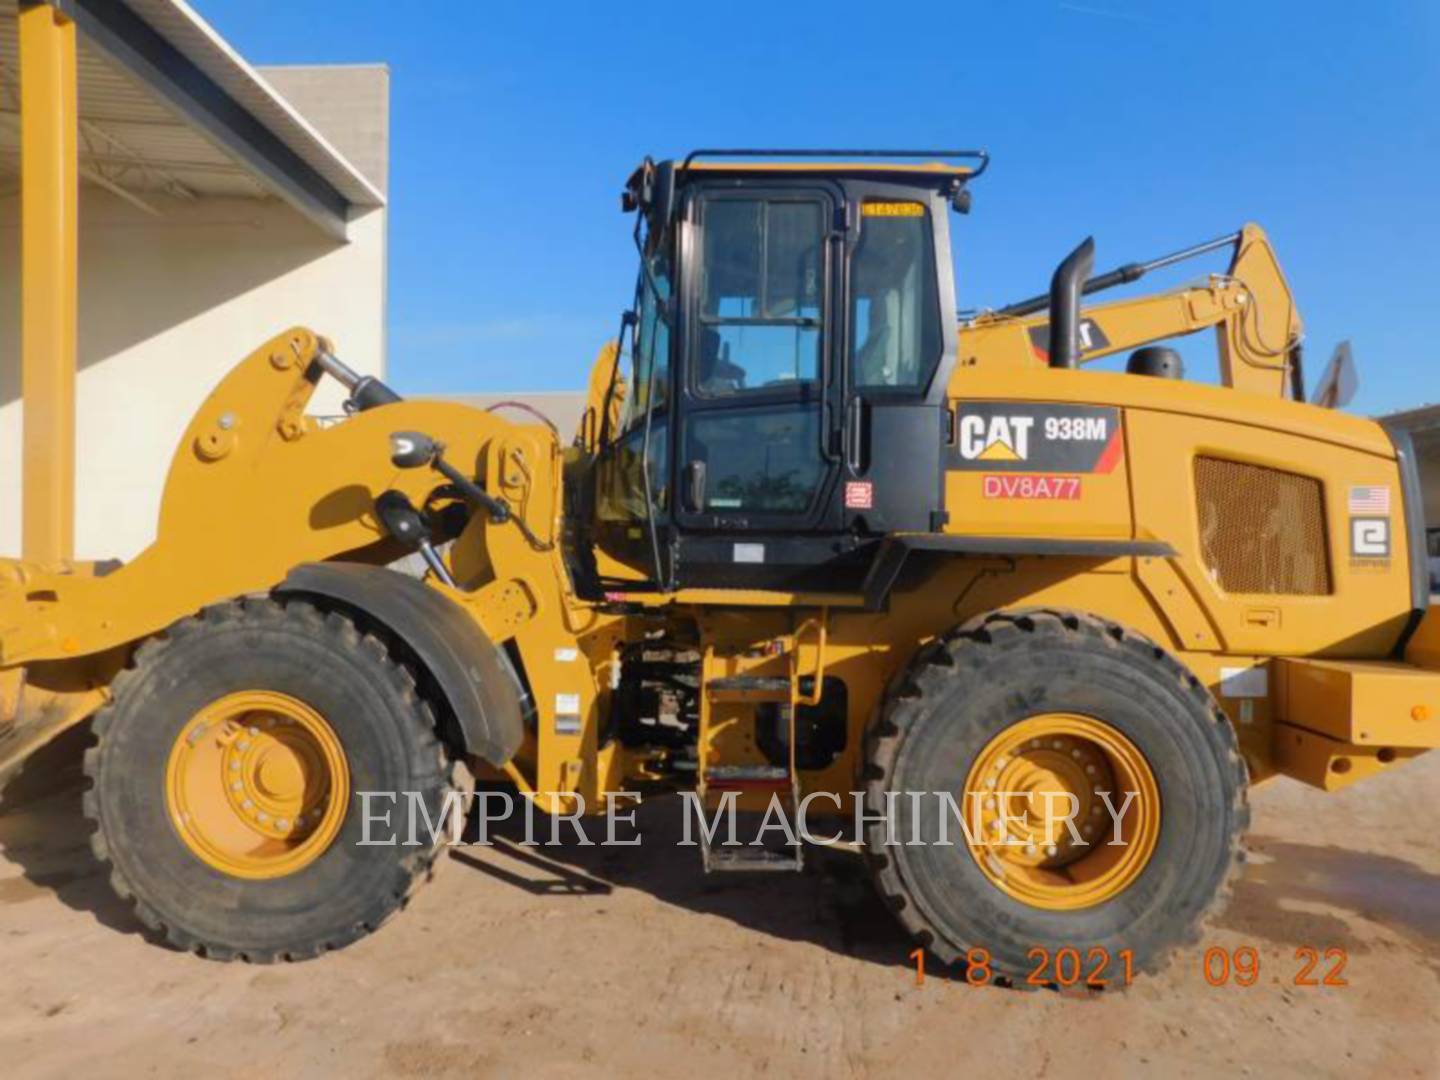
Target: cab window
{"points": [[762, 283], [894, 307], [652, 344], [644, 381], [760, 460]]}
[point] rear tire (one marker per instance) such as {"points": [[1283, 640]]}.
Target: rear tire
{"points": [[956, 704], [223, 900]]}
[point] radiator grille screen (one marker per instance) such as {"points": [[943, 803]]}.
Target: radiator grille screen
{"points": [[1262, 530]]}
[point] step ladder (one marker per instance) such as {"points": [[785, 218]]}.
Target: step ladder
{"points": [[715, 778]]}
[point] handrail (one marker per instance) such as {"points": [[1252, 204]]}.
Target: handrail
{"points": [[817, 691]]}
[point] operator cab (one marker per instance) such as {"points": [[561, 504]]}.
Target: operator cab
{"points": [[777, 405]]}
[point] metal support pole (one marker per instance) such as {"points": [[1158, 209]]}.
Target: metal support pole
{"points": [[49, 257]]}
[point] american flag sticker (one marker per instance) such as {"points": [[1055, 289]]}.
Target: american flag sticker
{"points": [[1370, 500]]}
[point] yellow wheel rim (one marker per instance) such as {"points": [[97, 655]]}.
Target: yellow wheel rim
{"points": [[257, 785], [1019, 797]]}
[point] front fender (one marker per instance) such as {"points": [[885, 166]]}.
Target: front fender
{"points": [[471, 673]]}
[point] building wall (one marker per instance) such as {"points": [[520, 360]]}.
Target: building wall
{"points": [[1427, 452], [168, 305], [347, 103]]}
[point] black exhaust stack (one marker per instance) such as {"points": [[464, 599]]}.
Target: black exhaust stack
{"points": [[1065, 291]]}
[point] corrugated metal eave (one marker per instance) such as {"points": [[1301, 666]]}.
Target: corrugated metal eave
{"points": [[183, 27]]}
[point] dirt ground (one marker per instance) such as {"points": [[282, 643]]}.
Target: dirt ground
{"points": [[591, 961]]}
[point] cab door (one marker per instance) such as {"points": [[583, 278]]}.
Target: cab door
{"points": [[757, 446], [898, 354]]}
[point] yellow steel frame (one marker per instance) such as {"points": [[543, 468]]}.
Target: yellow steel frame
{"points": [[257, 486], [49, 279]]}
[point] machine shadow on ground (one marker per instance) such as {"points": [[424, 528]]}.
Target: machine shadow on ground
{"points": [[1286, 886], [43, 831], [830, 904]]}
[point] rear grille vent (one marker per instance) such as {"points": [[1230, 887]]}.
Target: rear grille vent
{"points": [[1261, 530]]}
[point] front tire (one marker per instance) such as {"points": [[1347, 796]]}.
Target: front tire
{"points": [[1063, 703], [227, 780]]}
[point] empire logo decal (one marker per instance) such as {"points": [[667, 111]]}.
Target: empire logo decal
{"points": [[1022, 437], [1369, 538]]}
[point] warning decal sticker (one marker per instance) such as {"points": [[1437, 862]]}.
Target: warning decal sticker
{"points": [[1091, 338], [859, 495]]}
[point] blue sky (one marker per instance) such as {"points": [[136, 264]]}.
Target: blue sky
{"points": [[1151, 126]]}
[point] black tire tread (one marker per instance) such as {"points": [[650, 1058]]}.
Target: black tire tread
{"points": [[419, 867], [968, 646]]}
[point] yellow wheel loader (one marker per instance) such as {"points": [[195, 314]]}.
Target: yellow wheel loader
{"points": [[819, 543]]}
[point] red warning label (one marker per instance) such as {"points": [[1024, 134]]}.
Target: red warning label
{"points": [[859, 495]]}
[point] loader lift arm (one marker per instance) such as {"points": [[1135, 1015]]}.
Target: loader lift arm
{"points": [[1257, 325]]}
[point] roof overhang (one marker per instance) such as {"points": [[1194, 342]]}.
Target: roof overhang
{"points": [[1426, 418], [166, 48]]}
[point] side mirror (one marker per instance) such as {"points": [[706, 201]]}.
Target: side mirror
{"points": [[695, 487], [412, 449]]}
